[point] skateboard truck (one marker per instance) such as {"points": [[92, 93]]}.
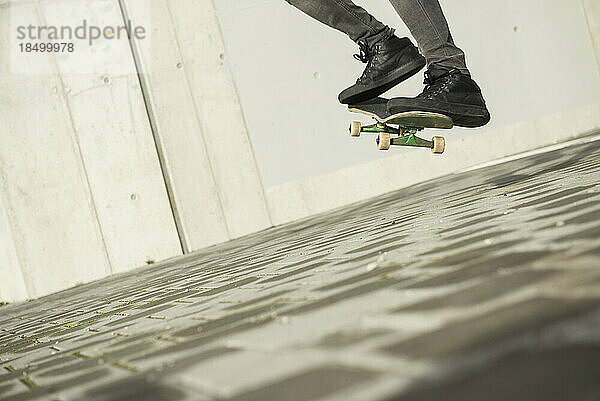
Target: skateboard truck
{"points": [[406, 136]]}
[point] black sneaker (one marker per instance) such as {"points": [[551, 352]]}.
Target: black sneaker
{"points": [[447, 92], [389, 62]]}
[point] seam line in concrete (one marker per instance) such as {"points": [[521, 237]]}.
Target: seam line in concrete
{"points": [[185, 248]]}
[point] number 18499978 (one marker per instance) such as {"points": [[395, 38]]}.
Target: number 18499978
{"points": [[50, 47]]}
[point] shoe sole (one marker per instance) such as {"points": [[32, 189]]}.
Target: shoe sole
{"points": [[391, 80], [463, 115]]}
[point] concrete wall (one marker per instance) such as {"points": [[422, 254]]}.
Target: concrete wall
{"points": [[225, 121]]}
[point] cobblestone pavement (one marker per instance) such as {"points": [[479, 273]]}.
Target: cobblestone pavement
{"points": [[483, 285]]}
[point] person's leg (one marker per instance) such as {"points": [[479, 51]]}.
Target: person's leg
{"points": [[428, 25], [347, 17]]}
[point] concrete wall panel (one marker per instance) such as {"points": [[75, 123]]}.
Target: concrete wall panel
{"points": [[52, 217], [220, 116], [12, 285]]}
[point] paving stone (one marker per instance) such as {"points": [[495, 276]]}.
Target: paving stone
{"points": [[524, 318], [553, 374], [313, 384]]}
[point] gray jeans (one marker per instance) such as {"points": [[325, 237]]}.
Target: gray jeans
{"points": [[424, 19]]}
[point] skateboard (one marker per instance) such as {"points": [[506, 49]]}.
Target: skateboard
{"points": [[404, 126]]}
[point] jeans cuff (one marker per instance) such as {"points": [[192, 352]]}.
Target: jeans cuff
{"points": [[375, 38]]}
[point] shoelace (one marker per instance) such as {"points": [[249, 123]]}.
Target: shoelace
{"points": [[364, 54], [434, 86]]}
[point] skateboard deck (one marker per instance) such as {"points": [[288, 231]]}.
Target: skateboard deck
{"points": [[405, 125]]}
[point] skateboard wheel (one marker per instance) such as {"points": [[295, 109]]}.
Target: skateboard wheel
{"points": [[439, 144], [384, 141], [355, 128]]}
